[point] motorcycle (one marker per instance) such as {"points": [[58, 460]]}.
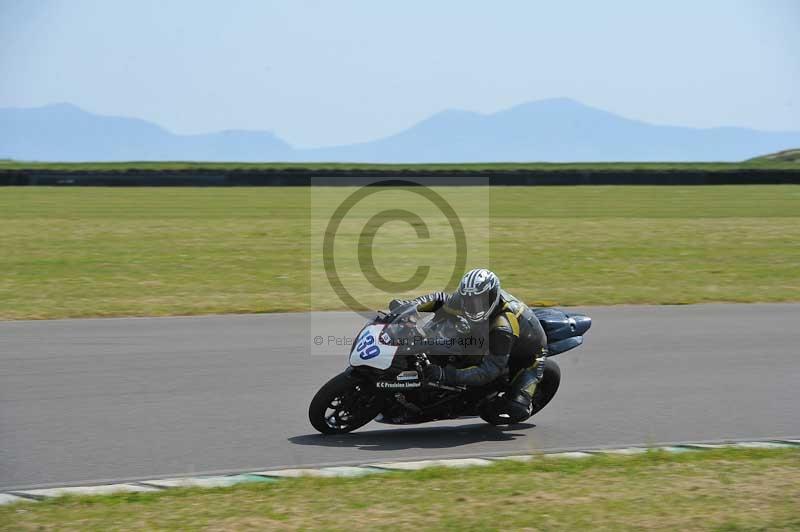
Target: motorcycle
{"points": [[384, 380]]}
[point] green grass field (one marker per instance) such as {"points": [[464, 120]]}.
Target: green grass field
{"points": [[724, 490], [76, 252]]}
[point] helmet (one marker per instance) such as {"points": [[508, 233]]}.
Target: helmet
{"points": [[479, 293]]}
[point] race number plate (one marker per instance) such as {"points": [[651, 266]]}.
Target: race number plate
{"points": [[369, 350]]}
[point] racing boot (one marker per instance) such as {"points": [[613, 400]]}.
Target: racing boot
{"points": [[516, 404], [519, 398]]}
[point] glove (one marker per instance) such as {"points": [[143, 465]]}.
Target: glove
{"points": [[434, 373], [386, 317]]}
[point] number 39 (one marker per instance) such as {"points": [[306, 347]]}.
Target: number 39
{"points": [[367, 349]]}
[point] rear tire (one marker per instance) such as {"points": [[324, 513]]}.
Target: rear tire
{"points": [[546, 390], [343, 404], [544, 393]]}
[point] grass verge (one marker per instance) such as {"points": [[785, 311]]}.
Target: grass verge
{"points": [[78, 252], [732, 489]]}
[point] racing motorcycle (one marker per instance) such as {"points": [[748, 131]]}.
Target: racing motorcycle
{"points": [[385, 382]]}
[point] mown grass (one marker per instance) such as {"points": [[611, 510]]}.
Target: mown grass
{"points": [[758, 163], [76, 252], [710, 490]]}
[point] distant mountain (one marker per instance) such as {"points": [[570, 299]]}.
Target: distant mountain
{"points": [[546, 130], [557, 130], [63, 132]]}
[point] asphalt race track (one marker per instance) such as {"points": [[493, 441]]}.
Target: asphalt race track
{"points": [[119, 399]]}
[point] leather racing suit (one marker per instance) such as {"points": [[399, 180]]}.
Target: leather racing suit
{"points": [[517, 348]]}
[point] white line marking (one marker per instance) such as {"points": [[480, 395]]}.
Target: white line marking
{"points": [[7, 498], [569, 454], [345, 471], [352, 471], [422, 464], [202, 482], [762, 445], [676, 449], [294, 473], [515, 458], [87, 490], [625, 451]]}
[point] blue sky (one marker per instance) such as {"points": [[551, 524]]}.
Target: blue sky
{"points": [[334, 72]]}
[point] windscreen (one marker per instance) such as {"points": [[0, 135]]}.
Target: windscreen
{"points": [[435, 333]]}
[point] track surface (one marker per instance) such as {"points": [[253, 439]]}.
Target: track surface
{"points": [[95, 400]]}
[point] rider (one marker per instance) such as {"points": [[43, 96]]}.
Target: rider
{"points": [[517, 342]]}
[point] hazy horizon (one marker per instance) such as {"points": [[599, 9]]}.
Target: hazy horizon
{"points": [[392, 133], [319, 74], [555, 130]]}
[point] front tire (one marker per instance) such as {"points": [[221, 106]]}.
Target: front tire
{"points": [[343, 404]]}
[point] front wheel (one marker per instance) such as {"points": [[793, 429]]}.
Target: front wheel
{"points": [[343, 404]]}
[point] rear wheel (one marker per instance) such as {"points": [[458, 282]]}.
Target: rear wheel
{"points": [[544, 393], [343, 404], [546, 390]]}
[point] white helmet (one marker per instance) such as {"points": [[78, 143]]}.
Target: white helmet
{"points": [[480, 291]]}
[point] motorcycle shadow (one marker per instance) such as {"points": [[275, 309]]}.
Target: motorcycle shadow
{"points": [[395, 439]]}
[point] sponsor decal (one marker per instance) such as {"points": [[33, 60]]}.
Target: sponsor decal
{"points": [[384, 384], [407, 376]]}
